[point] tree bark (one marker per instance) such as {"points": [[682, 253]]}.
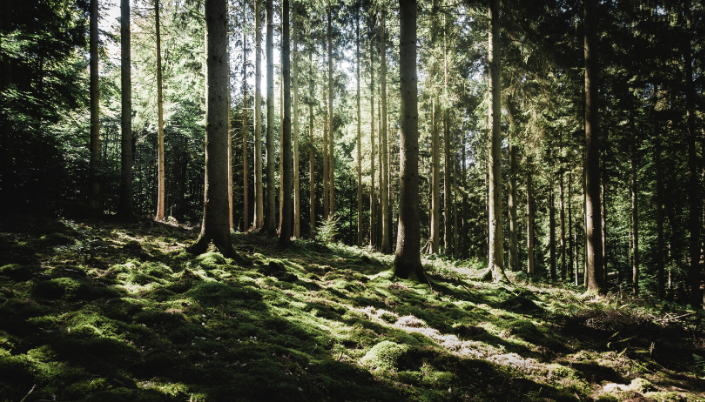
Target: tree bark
{"points": [[635, 222], [373, 200], [126, 208], [259, 196], [94, 192], [435, 144], [570, 229], [311, 149], [270, 214], [407, 258], [530, 267], [693, 182], [592, 149], [359, 132], [245, 190], [512, 200], [659, 209], [297, 189], [215, 226], [285, 234], [326, 194], [331, 142], [384, 190], [161, 192], [552, 232], [561, 217], [496, 257]]}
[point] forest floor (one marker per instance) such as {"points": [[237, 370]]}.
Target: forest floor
{"points": [[99, 311]]}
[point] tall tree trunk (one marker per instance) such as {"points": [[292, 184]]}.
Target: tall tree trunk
{"points": [[447, 181], [530, 265], [373, 200], [552, 231], [281, 145], [407, 258], [331, 142], [126, 208], [295, 73], [245, 194], [259, 196], [285, 234], [561, 217], [512, 200], [94, 192], [215, 225], [496, 257], [270, 214], [693, 182], [603, 208], [464, 231], [311, 148], [570, 228], [659, 208], [435, 144], [635, 222], [326, 200], [384, 183], [359, 132], [231, 190], [595, 283], [161, 192]]}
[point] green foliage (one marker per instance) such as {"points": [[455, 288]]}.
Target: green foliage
{"points": [[327, 229]]}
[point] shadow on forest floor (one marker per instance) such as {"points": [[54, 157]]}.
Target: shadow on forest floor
{"points": [[99, 311]]}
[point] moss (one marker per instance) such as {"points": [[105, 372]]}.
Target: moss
{"points": [[16, 272], [641, 385], [69, 289], [209, 261], [384, 355], [55, 239]]}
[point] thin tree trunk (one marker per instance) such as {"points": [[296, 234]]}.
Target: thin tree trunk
{"points": [[561, 216], [552, 232], [215, 226], [231, 195], [295, 73], [311, 149], [635, 223], [464, 231], [259, 196], [570, 228], [359, 133], [595, 283], [270, 215], [384, 183], [94, 192], [326, 200], [512, 200], [281, 145], [530, 266], [603, 206], [331, 142], [126, 208], [373, 201], [496, 257], [407, 258], [285, 234], [435, 145], [245, 194], [161, 192], [693, 182], [659, 209]]}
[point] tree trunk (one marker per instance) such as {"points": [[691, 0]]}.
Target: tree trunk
{"points": [[659, 209], [231, 195], [373, 201], [326, 200], [693, 182], [552, 232], [94, 192], [285, 234], [270, 215], [359, 133], [530, 266], [635, 222], [215, 225], [595, 283], [561, 217], [259, 196], [126, 208], [281, 145], [161, 192], [407, 258], [297, 190], [245, 195], [603, 208], [435, 144], [384, 183], [496, 257], [512, 200], [464, 231], [570, 229], [311, 148], [331, 143]]}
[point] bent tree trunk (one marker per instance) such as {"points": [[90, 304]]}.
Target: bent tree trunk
{"points": [[408, 258], [216, 226]]}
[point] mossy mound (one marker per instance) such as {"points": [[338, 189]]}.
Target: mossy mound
{"points": [[55, 239], [209, 261], [216, 293], [16, 272], [69, 289], [520, 304], [385, 355]]}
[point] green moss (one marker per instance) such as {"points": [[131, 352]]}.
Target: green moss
{"points": [[55, 239], [16, 272], [641, 385], [69, 289], [209, 261], [384, 355]]}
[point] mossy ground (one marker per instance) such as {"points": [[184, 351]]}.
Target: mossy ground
{"points": [[94, 311]]}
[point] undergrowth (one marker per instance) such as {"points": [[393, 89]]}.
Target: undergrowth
{"points": [[93, 311]]}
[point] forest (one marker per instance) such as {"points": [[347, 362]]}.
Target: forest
{"points": [[361, 200]]}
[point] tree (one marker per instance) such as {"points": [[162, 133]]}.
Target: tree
{"points": [[435, 146], [592, 151], [386, 230], [373, 199], [161, 193], [126, 209], [94, 192], [245, 195], [215, 226], [359, 133], [297, 189], [285, 234], [331, 142], [270, 214], [407, 258], [496, 253], [259, 196]]}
